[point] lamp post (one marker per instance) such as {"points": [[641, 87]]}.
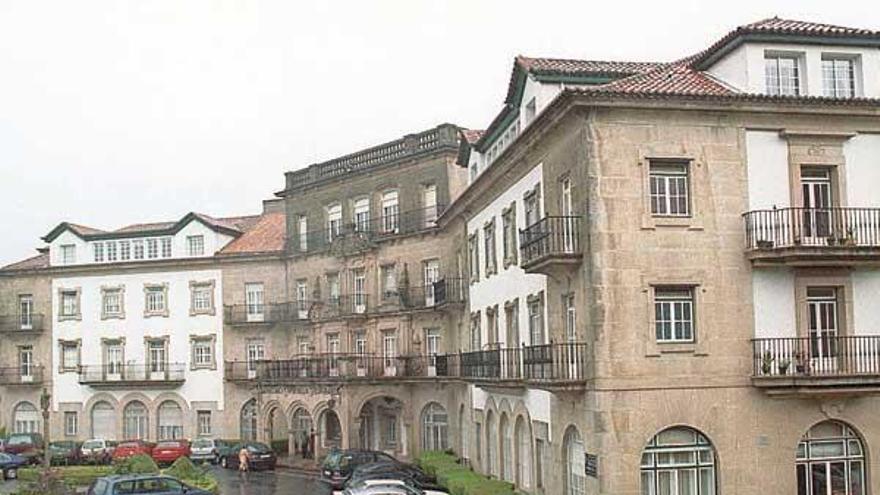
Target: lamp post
{"points": [[45, 402]]}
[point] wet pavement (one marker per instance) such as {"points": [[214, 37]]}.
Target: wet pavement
{"points": [[279, 482]]}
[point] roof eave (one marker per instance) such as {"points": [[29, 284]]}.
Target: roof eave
{"points": [[715, 54]]}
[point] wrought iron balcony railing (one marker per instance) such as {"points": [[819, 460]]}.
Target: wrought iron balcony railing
{"points": [[343, 366], [551, 239], [812, 227], [122, 375], [21, 323], [565, 362], [816, 356], [21, 375]]}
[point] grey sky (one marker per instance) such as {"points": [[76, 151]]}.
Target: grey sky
{"points": [[116, 112]]}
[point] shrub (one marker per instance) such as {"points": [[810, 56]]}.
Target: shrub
{"points": [[136, 464], [184, 470], [72, 475], [458, 479]]}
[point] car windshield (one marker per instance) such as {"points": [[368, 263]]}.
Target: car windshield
{"points": [[168, 445], [4, 457], [92, 444], [202, 444], [19, 440], [258, 448]]}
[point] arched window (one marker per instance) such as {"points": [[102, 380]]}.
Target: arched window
{"points": [[523, 454], [25, 418], [135, 423], [575, 478], [103, 421], [491, 444], [831, 461], [678, 460], [435, 427], [170, 421], [506, 452], [247, 422]]}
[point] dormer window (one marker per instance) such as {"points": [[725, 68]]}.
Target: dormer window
{"points": [[68, 254], [195, 245], [838, 77], [782, 74]]}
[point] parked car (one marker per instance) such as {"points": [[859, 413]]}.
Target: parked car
{"points": [[2, 444], [261, 456], [27, 445], [394, 471], [207, 450], [64, 453], [387, 487], [168, 451], [339, 464], [97, 451], [134, 484], [9, 465], [131, 448]]}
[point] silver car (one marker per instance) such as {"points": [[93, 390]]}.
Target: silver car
{"points": [[387, 487], [206, 450]]}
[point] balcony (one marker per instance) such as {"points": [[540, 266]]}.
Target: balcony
{"points": [[21, 375], [125, 376], [343, 367], [826, 365], [425, 297], [543, 366], [18, 323], [356, 236], [813, 236], [552, 243]]}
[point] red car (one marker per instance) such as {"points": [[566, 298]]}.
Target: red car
{"points": [[131, 448], [170, 450]]}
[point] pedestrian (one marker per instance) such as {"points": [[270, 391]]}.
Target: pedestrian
{"points": [[243, 459]]}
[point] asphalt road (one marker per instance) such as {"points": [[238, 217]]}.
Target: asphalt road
{"points": [[278, 482]]}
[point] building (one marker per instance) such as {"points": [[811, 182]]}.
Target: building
{"points": [[640, 278]]}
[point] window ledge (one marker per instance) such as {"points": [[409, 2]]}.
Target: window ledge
{"points": [[650, 222]]}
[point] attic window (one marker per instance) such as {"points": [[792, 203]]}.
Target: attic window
{"points": [[782, 74]]}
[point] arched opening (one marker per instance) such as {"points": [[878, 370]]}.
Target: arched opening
{"points": [[679, 460], [506, 452], [435, 427], [523, 453], [462, 433], [381, 426], [303, 433], [103, 421], [25, 418], [277, 428], [170, 421], [135, 421], [247, 422], [831, 461], [331, 430], [574, 451], [491, 444]]}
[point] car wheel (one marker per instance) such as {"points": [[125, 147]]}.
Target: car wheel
{"points": [[224, 463], [215, 460], [11, 474]]}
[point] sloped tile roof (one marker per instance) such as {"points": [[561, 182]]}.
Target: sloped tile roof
{"points": [[791, 26], [677, 78], [471, 135], [145, 227], [583, 67], [265, 235], [33, 263]]}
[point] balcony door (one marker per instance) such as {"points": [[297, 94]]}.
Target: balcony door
{"points": [[26, 363], [254, 301], [816, 189], [26, 312], [432, 348], [255, 352], [114, 359], [333, 353], [567, 208], [360, 291], [431, 275], [823, 327], [158, 360], [389, 353]]}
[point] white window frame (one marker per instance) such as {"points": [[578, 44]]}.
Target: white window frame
{"points": [[777, 84], [663, 177], [195, 245], [303, 225], [137, 249], [674, 306], [68, 254], [390, 212], [98, 251], [361, 210], [124, 250], [203, 423], [334, 221], [71, 423], [832, 83]]}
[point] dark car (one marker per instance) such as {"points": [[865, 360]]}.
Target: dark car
{"points": [[9, 464], [27, 445], [339, 464], [64, 453], [260, 456], [392, 471], [134, 484]]}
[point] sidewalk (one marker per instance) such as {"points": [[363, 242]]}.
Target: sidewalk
{"points": [[306, 466]]}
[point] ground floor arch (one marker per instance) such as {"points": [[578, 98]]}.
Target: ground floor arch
{"points": [[302, 433], [25, 418], [169, 421], [678, 460], [330, 429], [523, 453], [103, 420], [831, 461], [248, 421], [381, 427], [435, 427], [276, 427], [135, 421]]}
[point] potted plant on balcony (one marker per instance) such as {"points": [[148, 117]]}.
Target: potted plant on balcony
{"points": [[766, 363], [783, 366], [800, 363], [849, 240]]}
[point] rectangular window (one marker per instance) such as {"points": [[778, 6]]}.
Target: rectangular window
{"points": [[838, 77], [782, 75], [474, 257], [166, 247], [195, 245], [68, 254], [536, 319], [138, 248], [532, 206], [70, 423], [69, 356], [111, 250], [669, 188], [334, 221], [124, 250], [333, 287], [303, 223], [98, 250], [203, 353], [111, 303], [430, 205], [69, 303], [157, 356], [508, 235], [114, 357], [390, 213], [155, 299], [511, 319], [362, 215], [360, 290], [202, 298], [203, 420], [569, 312], [253, 296], [492, 325], [389, 349], [302, 299], [26, 311], [476, 337], [674, 314], [360, 342], [255, 352], [389, 281], [26, 362], [152, 248], [489, 246]]}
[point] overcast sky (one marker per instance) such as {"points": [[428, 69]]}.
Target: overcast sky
{"points": [[117, 112]]}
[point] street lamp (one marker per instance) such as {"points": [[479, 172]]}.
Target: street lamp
{"points": [[45, 402]]}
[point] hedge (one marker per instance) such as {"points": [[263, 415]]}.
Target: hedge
{"points": [[72, 475], [458, 479]]}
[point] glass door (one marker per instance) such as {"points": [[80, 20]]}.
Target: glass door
{"points": [[26, 312], [254, 302], [333, 353], [432, 275], [816, 187], [158, 361], [568, 227], [360, 291], [432, 348], [389, 353], [114, 360], [26, 363], [255, 353], [822, 321]]}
